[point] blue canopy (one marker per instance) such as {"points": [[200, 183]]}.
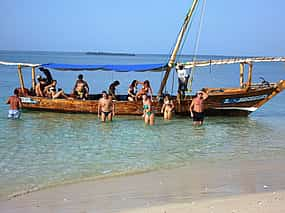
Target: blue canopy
{"points": [[116, 68]]}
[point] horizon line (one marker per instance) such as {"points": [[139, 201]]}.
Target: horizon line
{"points": [[115, 52]]}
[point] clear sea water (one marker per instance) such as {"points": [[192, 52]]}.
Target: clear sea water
{"points": [[45, 149]]}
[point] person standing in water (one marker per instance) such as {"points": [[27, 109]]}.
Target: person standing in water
{"points": [[106, 109], [167, 107], [15, 105], [197, 108], [148, 113]]}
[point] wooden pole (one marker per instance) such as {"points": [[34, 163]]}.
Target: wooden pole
{"points": [[191, 64], [33, 78], [241, 76], [177, 46], [249, 75], [21, 78]]}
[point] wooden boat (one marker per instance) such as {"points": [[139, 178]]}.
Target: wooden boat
{"points": [[239, 101]]}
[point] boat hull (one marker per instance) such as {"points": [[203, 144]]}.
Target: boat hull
{"points": [[221, 102]]}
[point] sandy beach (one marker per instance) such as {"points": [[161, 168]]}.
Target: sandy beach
{"points": [[253, 203], [244, 186]]}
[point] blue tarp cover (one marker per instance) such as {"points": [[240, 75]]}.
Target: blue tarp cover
{"points": [[116, 68]]}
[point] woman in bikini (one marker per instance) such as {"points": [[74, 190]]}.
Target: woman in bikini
{"points": [[167, 108], [148, 114]]}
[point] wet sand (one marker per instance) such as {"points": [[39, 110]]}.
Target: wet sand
{"points": [[240, 186]]}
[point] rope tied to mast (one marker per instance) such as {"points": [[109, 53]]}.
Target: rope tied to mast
{"points": [[189, 89]]}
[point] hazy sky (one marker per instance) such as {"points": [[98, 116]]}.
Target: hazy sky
{"points": [[230, 27]]}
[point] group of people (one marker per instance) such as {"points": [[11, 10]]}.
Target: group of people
{"points": [[134, 94], [46, 87], [196, 108], [106, 107]]}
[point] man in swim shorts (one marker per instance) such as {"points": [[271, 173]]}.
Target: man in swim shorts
{"points": [[197, 108], [106, 107], [15, 105]]}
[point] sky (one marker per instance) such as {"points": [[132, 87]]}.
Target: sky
{"points": [[230, 27]]}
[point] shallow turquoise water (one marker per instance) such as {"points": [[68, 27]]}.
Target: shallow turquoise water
{"points": [[44, 149]]}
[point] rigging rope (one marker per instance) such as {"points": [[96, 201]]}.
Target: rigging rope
{"points": [[184, 40], [197, 45], [172, 82], [168, 58], [178, 56]]}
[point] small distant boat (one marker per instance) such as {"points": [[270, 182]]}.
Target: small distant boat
{"points": [[238, 101], [110, 54]]}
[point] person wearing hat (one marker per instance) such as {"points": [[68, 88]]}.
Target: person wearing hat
{"points": [[183, 77], [197, 108]]}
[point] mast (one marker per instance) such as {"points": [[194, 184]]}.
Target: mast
{"points": [[177, 46], [241, 74], [21, 78], [249, 80], [33, 78]]}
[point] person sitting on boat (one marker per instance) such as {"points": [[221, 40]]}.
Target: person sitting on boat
{"points": [[47, 74], [106, 108], [167, 107], [183, 77], [112, 89], [145, 90], [50, 91], [39, 89], [132, 91], [81, 88], [15, 105], [148, 113], [197, 108]]}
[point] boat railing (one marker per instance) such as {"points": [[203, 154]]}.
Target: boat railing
{"points": [[223, 91], [262, 85]]}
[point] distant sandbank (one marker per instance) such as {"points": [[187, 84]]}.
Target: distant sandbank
{"points": [[110, 53]]}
